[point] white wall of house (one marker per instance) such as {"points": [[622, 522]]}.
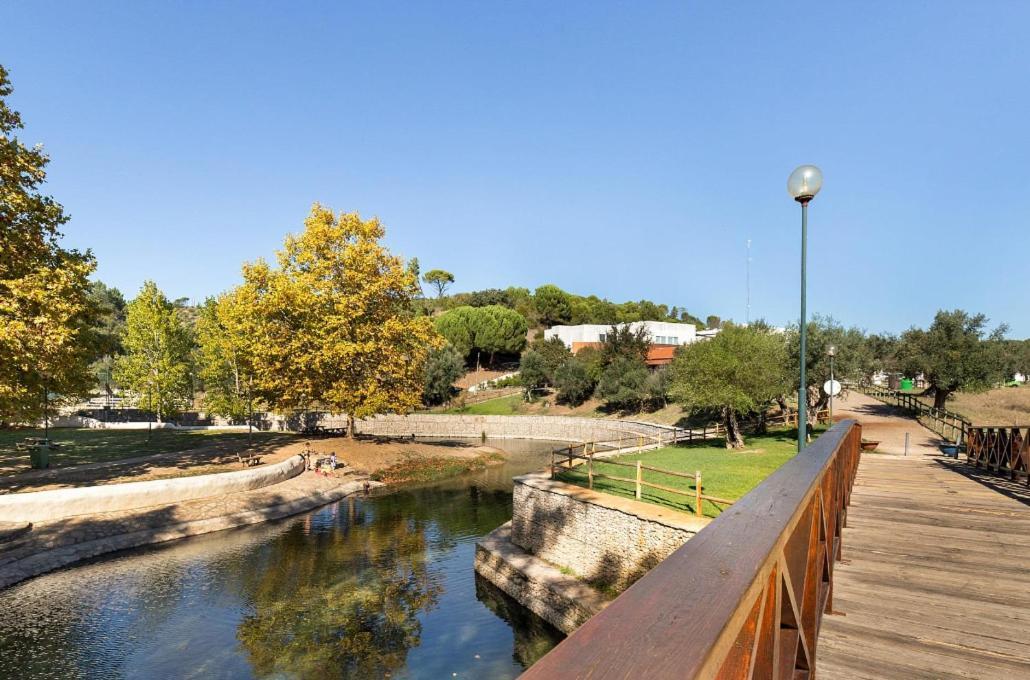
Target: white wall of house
{"points": [[662, 332]]}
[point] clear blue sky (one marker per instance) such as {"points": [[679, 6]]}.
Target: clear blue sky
{"points": [[623, 149]]}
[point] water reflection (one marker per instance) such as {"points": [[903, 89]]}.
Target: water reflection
{"points": [[364, 588]]}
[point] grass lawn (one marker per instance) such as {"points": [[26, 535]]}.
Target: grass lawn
{"points": [[93, 446], [725, 474], [510, 405]]}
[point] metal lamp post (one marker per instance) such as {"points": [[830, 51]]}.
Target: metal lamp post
{"points": [[802, 185], [831, 352]]}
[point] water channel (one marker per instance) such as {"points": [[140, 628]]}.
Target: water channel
{"points": [[379, 587]]}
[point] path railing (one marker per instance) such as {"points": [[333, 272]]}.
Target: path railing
{"points": [[947, 424], [565, 459], [744, 597], [1000, 449]]}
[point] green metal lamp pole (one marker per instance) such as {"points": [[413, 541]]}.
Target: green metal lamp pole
{"points": [[803, 184]]}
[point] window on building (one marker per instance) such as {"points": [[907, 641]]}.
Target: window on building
{"points": [[673, 340], [604, 337]]}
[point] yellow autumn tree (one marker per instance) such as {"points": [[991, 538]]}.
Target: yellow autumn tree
{"points": [[47, 339], [331, 326]]}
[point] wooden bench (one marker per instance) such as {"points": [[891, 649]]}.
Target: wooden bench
{"points": [[248, 461]]}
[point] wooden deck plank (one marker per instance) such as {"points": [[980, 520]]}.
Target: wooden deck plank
{"points": [[935, 576]]}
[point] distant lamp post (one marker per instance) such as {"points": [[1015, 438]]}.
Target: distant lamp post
{"points": [[802, 185], [831, 352]]}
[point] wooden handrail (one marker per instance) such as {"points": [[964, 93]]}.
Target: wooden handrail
{"points": [[744, 597], [1002, 450]]}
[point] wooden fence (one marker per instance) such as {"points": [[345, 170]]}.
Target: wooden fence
{"points": [[744, 597], [1003, 450], [587, 458], [947, 424]]}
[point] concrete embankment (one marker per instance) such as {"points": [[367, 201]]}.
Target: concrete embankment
{"points": [[55, 504]]}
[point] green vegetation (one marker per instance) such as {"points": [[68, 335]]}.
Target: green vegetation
{"points": [[437, 278], [444, 366], [724, 473], [502, 406], [433, 468], [101, 446], [493, 329], [739, 371]]}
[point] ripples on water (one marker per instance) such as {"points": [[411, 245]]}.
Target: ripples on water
{"points": [[364, 588]]}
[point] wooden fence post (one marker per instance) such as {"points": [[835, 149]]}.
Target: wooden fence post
{"points": [[590, 471], [638, 480], [698, 499]]}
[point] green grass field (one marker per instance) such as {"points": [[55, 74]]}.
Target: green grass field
{"points": [[726, 474], [502, 406], [79, 446]]}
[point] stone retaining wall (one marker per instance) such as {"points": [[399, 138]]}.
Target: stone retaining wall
{"points": [[43, 506], [608, 540], [559, 428]]}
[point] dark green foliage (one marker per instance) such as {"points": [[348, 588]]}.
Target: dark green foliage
{"points": [[573, 382], [554, 352], [853, 361], [439, 279], [553, 305], [623, 384], [492, 329], [623, 341], [443, 368], [738, 371], [533, 372], [954, 353], [593, 361], [713, 321]]}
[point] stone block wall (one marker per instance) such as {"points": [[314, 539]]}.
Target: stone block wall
{"points": [[607, 540]]}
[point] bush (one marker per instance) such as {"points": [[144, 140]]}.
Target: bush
{"points": [[573, 382], [443, 368], [533, 371], [623, 385]]}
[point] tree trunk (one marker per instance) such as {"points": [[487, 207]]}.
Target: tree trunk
{"points": [[734, 437], [762, 427], [940, 397], [782, 401], [814, 408], [350, 427]]}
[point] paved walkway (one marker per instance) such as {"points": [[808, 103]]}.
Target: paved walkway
{"points": [[935, 576], [887, 425]]}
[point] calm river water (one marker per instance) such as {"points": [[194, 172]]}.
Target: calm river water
{"points": [[378, 587]]}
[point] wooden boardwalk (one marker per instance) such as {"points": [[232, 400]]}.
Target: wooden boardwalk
{"points": [[935, 576]]}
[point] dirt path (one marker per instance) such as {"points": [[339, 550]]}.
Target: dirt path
{"points": [[887, 425]]}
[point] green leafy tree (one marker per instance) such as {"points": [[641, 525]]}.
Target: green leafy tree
{"points": [[554, 352], [623, 384], [553, 305], [224, 357], [853, 361], [954, 353], [593, 361], [625, 341], [534, 373], [108, 329], [458, 327], [490, 329], [713, 321], [738, 371], [573, 382], [444, 367], [156, 364], [48, 318], [439, 279]]}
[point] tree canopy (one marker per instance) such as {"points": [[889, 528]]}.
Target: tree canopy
{"points": [[492, 329], [955, 352], [225, 356], [156, 365], [333, 326], [47, 316], [439, 279], [853, 361], [738, 371]]}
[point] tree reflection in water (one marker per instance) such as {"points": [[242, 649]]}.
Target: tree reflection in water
{"points": [[345, 604]]}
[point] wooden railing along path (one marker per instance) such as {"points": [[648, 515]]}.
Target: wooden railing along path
{"points": [[570, 458], [947, 424], [1000, 449], [744, 597]]}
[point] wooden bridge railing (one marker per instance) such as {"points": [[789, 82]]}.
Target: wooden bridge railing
{"points": [[1004, 449], [744, 597]]}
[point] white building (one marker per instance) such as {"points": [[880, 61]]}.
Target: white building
{"points": [[661, 332]]}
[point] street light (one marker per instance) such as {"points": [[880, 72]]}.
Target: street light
{"points": [[831, 352], [802, 185]]}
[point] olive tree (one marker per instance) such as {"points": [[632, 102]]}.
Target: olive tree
{"points": [[739, 371]]}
